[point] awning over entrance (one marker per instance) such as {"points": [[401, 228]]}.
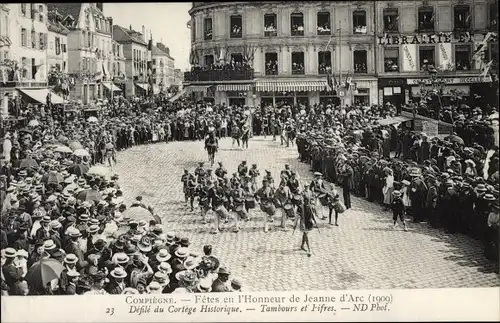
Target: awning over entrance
{"points": [[112, 87], [178, 95], [291, 86], [144, 86], [40, 95], [397, 119], [234, 87], [197, 88]]}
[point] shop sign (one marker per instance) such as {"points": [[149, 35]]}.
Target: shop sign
{"points": [[440, 38], [391, 82], [454, 80]]}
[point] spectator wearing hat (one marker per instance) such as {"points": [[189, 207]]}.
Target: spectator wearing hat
{"points": [[220, 284], [236, 285], [12, 274], [417, 194], [178, 262], [398, 209], [346, 173], [73, 277], [431, 203], [21, 241], [140, 270], [117, 283], [74, 247]]}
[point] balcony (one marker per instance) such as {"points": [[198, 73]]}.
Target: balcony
{"points": [[219, 75], [15, 84]]}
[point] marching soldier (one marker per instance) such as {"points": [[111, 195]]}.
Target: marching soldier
{"points": [[293, 183], [199, 172], [269, 179], [191, 190], [265, 197], [283, 195], [254, 173], [243, 168], [234, 180], [318, 187], [220, 171], [184, 179], [204, 192], [306, 219]]}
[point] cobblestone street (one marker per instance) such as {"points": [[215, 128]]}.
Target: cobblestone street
{"points": [[364, 252]]}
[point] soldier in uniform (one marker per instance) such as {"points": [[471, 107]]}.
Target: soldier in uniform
{"points": [[204, 192], [318, 187], [234, 180], [306, 219], [283, 195], [217, 198], [199, 172], [220, 171], [293, 183], [238, 203], [191, 190], [243, 168], [287, 172], [254, 173], [184, 179], [265, 196], [269, 178]]}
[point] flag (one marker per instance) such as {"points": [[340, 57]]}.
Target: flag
{"points": [[486, 69], [329, 81], [433, 17], [467, 20], [329, 41]]}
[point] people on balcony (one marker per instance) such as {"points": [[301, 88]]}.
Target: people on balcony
{"points": [[271, 68], [324, 28], [360, 68], [236, 31], [324, 68], [298, 68], [217, 71], [270, 29], [360, 29], [391, 65], [298, 29]]}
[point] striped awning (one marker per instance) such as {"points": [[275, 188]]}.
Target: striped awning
{"points": [[197, 88], [234, 87], [291, 86]]}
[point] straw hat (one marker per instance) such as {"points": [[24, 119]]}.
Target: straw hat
{"points": [[118, 272]]}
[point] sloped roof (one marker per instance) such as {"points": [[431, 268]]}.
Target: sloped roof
{"points": [[57, 27], [127, 35], [66, 9], [156, 51]]}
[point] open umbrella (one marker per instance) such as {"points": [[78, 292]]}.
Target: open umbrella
{"points": [[456, 139], [81, 153], [43, 272], [62, 139], [98, 170], [74, 145], [33, 123], [89, 195], [78, 169], [28, 163], [53, 178], [138, 213], [63, 149], [92, 119]]}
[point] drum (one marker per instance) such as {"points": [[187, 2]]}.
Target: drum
{"points": [[323, 199], [241, 211], [250, 203], [288, 207], [222, 212], [297, 199], [268, 207]]}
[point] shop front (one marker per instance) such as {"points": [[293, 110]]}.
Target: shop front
{"points": [[456, 90], [291, 93], [393, 90], [329, 98], [233, 94]]}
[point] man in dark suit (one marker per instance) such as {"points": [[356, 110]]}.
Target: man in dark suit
{"points": [[12, 274], [74, 248], [346, 173], [220, 284]]}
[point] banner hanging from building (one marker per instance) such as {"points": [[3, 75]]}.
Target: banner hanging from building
{"points": [[409, 58], [445, 59]]}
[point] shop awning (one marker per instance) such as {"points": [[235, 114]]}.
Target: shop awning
{"points": [[397, 119], [197, 88], [178, 95], [40, 95], [144, 86], [233, 87], [112, 87], [291, 86]]}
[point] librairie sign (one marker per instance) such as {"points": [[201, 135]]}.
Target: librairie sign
{"points": [[429, 38], [453, 80]]}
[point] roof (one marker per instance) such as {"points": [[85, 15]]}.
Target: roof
{"points": [[57, 27], [66, 9], [124, 35], [157, 52]]}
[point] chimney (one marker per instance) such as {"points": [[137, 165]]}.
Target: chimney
{"points": [[130, 27], [143, 33]]}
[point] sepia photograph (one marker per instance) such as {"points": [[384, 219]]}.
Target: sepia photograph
{"points": [[159, 150]]}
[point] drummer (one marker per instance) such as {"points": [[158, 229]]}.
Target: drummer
{"points": [[264, 196], [293, 183], [284, 196], [269, 178], [217, 199], [318, 187], [238, 205]]}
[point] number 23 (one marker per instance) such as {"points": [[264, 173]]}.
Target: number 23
{"points": [[110, 311]]}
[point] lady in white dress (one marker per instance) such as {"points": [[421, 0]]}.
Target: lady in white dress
{"points": [[388, 187]]}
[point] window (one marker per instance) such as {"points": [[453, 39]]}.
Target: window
{"points": [[360, 61], [33, 39], [89, 40], [207, 28], [236, 26], [270, 25], [362, 97], [391, 20], [271, 63], [193, 30], [209, 60], [426, 57], [426, 19], [24, 62], [324, 62], [297, 24], [323, 26], [40, 13], [236, 59], [462, 17], [462, 57], [24, 37], [23, 9], [391, 59], [41, 38], [298, 63], [359, 21], [32, 10], [493, 15]]}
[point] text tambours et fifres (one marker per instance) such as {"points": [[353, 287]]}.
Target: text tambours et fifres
{"points": [[241, 302]]}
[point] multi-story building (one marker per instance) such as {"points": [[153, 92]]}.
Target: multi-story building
{"points": [[159, 60], [57, 47], [170, 65], [118, 66], [5, 34], [178, 77], [135, 50], [89, 42], [442, 34], [290, 46]]}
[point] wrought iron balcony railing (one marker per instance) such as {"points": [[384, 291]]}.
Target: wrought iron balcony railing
{"points": [[219, 75]]}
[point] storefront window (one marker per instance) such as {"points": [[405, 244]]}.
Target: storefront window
{"points": [[391, 59], [462, 58]]}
